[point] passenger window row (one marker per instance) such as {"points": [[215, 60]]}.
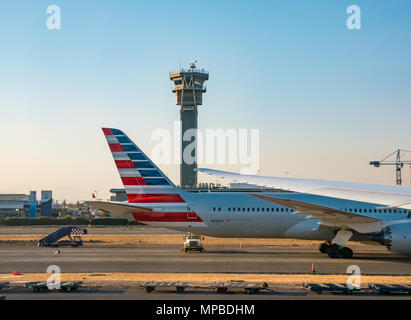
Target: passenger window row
{"points": [[378, 210], [248, 209], [355, 210]]}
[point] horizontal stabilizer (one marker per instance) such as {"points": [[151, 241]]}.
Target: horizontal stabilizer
{"points": [[119, 209]]}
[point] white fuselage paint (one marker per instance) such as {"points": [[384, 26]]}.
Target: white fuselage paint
{"points": [[236, 214]]}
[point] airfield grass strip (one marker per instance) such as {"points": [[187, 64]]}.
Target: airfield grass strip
{"points": [[203, 278]]}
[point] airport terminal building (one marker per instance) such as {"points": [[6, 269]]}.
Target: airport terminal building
{"points": [[13, 205], [21, 205]]}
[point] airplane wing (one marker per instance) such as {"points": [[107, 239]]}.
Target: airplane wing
{"points": [[387, 195], [330, 217], [119, 209]]}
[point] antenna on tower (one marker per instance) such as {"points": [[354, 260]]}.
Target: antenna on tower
{"points": [[193, 64]]}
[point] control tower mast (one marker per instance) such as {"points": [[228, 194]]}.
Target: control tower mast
{"points": [[189, 89]]}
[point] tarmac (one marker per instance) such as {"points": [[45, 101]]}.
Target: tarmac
{"points": [[372, 260], [217, 260]]}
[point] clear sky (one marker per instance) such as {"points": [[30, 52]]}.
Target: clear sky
{"points": [[326, 99]]}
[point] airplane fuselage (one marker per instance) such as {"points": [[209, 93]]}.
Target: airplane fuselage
{"points": [[237, 214]]}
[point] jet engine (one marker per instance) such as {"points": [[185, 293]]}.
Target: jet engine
{"points": [[397, 237]]}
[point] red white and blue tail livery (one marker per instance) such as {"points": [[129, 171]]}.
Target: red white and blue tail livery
{"points": [[143, 181], [156, 199]]}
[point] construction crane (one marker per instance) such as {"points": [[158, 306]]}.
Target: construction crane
{"points": [[397, 163]]}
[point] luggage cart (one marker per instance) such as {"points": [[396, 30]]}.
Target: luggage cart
{"points": [[249, 288], [4, 285], [330, 287], [38, 286], [390, 288], [151, 286]]}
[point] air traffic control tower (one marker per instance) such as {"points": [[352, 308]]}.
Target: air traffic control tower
{"points": [[189, 89]]}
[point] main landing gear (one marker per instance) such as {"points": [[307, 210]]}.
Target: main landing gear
{"points": [[335, 248], [336, 251]]}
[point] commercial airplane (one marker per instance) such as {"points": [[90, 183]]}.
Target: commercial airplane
{"points": [[154, 200]]}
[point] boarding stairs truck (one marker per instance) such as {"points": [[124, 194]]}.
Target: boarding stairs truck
{"points": [[193, 243], [52, 240]]}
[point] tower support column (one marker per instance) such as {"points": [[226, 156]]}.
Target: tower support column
{"points": [[188, 116]]}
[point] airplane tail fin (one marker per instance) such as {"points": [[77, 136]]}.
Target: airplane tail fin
{"points": [[143, 181]]}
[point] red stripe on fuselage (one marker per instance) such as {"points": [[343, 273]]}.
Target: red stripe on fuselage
{"points": [[167, 217], [154, 198], [125, 164], [116, 147], [133, 181], [107, 132]]}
